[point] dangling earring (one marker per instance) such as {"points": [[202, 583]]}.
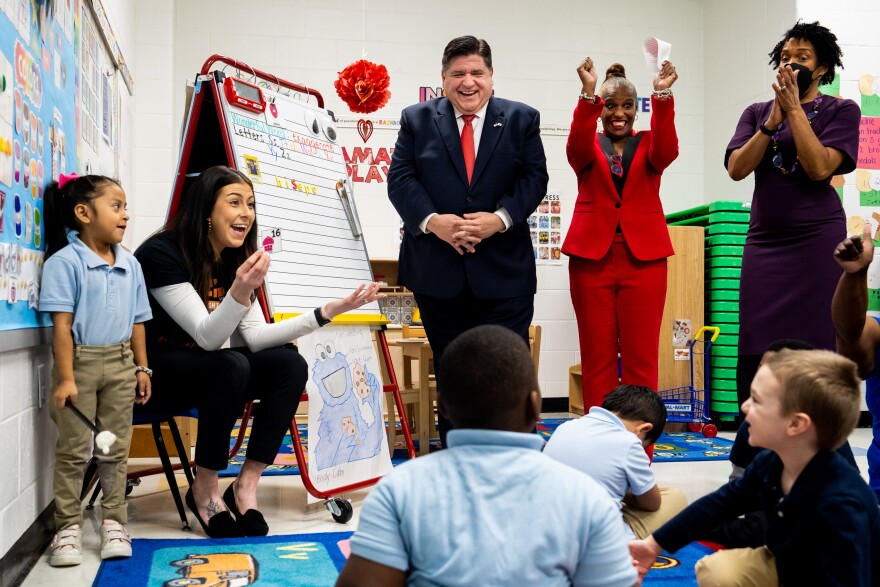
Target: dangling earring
{"points": [[637, 117], [210, 228]]}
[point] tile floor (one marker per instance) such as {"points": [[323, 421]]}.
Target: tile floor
{"points": [[152, 513]]}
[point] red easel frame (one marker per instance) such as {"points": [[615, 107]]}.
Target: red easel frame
{"points": [[186, 152]]}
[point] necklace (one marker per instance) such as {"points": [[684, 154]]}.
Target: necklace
{"points": [[777, 156]]}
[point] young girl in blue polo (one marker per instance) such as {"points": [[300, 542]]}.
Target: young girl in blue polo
{"points": [[95, 291]]}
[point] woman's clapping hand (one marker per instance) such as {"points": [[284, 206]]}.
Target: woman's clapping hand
{"points": [[786, 88]]}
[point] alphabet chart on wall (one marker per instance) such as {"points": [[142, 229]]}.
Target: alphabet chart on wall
{"points": [[306, 214]]}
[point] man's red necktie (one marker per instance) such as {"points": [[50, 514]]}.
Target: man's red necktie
{"points": [[467, 144]]}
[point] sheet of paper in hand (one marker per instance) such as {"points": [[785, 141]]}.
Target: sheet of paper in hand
{"points": [[656, 52]]}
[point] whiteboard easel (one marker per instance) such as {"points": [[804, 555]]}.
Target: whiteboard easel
{"points": [[305, 209], [289, 149]]}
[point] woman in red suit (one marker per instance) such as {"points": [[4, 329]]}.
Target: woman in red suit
{"points": [[618, 241]]}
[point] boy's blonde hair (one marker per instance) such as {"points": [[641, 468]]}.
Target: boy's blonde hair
{"points": [[823, 385]]}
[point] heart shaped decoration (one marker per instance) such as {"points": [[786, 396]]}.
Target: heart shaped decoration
{"points": [[363, 90], [365, 129]]}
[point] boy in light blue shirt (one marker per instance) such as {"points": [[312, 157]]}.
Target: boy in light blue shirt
{"points": [[609, 445], [491, 509]]}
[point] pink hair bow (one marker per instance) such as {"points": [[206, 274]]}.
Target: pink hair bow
{"points": [[63, 179]]}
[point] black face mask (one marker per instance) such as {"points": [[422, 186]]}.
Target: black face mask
{"points": [[804, 77]]}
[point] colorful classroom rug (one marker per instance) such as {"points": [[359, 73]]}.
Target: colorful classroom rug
{"points": [[308, 560], [670, 447], [675, 447], [312, 560], [677, 570]]}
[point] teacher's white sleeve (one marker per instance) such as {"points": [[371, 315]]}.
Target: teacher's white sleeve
{"points": [[209, 330], [259, 335]]}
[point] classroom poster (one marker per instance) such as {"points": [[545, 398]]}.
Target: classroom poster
{"points": [[37, 142], [347, 441], [545, 228], [861, 201]]}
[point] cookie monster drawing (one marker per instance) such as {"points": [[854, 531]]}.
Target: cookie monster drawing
{"points": [[366, 388], [345, 434]]}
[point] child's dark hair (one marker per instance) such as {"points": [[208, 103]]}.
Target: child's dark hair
{"points": [[828, 52], [60, 203], [190, 224], [485, 375], [637, 402]]}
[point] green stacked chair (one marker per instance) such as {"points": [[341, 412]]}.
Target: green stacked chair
{"points": [[726, 224]]}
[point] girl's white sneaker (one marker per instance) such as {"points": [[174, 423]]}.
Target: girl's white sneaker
{"points": [[66, 547], [115, 541]]}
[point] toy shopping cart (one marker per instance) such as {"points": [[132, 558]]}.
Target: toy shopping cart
{"points": [[691, 403]]}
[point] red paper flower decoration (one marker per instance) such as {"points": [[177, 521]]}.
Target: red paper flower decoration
{"points": [[363, 85]]}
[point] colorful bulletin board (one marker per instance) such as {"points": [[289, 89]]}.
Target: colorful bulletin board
{"points": [[862, 200], [38, 130]]}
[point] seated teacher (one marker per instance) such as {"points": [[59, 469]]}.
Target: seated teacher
{"points": [[211, 348]]}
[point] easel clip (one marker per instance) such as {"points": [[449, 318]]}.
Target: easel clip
{"points": [[348, 206]]}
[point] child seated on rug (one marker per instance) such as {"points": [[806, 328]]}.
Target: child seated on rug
{"points": [[609, 445], [750, 530], [823, 520], [491, 509], [742, 453]]}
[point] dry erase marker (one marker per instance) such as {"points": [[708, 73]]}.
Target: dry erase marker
{"points": [[38, 240], [18, 104], [34, 177], [17, 216], [17, 151], [28, 222], [26, 168], [40, 180], [26, 124], [33, 132]]}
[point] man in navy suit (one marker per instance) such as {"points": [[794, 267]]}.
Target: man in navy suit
{"points": [[467, 171]]}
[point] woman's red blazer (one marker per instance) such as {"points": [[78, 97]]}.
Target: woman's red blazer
{"points": [[599, 209]]}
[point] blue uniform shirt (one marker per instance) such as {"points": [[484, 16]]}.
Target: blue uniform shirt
{"points": [[600, 445], [493, 510], [105, 301]]}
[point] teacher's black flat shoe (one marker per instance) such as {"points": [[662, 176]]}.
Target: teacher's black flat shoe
{"points": [[252, 522], [220, 525]]}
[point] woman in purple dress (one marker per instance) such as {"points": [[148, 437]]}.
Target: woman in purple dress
{"points": [[794, 144]]}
